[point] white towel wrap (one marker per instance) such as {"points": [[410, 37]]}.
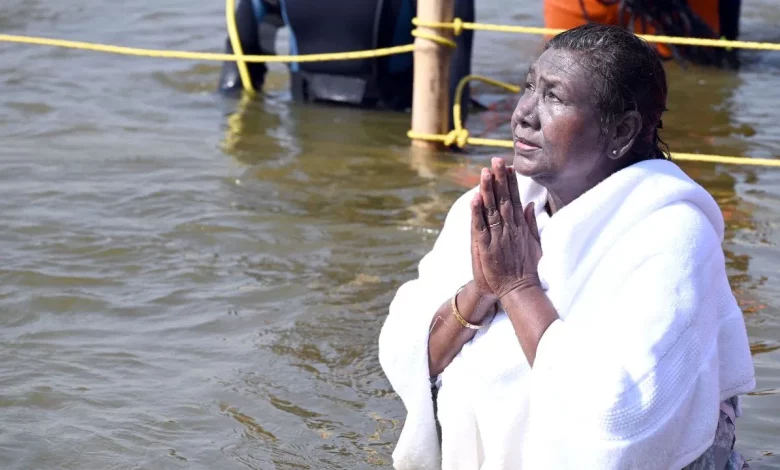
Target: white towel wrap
{"points": [[650, 338]]}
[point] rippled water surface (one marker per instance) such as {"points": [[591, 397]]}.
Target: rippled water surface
{"points": [[189, 281]]}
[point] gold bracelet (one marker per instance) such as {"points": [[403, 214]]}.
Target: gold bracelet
{"points": [[457, 314]]}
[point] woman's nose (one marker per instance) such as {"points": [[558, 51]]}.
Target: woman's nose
{"points": [[525, 114]]}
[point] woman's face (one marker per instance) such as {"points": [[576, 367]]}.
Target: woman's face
{"points": [[556, 129]]}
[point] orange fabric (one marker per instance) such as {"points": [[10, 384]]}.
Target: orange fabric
{"points": [[567, 14]]}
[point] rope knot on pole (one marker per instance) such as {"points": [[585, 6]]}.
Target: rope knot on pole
{"points": [[457, 27], [459, 137], [435, 38]]}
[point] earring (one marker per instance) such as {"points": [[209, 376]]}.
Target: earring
{"points": [[614, 152]]}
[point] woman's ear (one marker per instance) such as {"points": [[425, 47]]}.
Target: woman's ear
{"points": [[625, 133]]}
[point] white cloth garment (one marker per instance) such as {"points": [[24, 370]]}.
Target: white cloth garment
{"points": [[650, 338]]}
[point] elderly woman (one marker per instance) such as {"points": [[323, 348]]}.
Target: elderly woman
{"points": [[574, 312]]}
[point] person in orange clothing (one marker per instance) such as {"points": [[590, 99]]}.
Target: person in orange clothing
{"points": [[688, 18]]}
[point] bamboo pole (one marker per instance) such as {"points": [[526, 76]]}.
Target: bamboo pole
{"points": [[430, 98]]}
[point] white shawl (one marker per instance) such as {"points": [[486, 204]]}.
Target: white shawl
{"points": [[650, 338]]}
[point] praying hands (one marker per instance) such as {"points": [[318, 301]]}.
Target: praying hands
{"points": [[505, 244]]}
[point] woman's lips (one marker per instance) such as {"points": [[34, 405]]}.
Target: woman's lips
{"points": [[520, 145]]}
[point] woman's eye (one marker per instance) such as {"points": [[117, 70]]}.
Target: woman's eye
{"points": [[553, 96], [528, 86]]}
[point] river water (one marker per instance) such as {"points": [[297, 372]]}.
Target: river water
{"points": [[189, 281]]}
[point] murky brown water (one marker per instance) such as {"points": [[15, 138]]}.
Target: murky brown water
{"points": [[185, 288]]}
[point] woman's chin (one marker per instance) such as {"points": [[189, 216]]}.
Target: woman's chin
{"points": [[525, 166], [533, 169]]}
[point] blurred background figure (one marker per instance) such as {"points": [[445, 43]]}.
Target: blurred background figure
{"points": [[318, 26], [688, 18]]}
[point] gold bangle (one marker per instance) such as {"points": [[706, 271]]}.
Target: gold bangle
{"points": [[457, 314]]}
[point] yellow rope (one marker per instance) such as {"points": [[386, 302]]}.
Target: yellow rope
{"points": [[235, 43], [691, 157], [456, 109], [237, 56], [459, 135], [457, 25], [206, 56], [695, 157], [432, 37]]}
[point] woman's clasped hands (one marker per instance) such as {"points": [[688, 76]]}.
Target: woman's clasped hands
{"points": [[505, 243]]}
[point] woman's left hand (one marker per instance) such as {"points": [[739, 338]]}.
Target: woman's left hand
{"points": [[508, 239]]}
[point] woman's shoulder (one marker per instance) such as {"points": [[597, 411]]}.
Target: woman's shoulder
{"points": [[681, 229], [672, 209]]}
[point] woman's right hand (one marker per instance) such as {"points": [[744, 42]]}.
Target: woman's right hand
{"points": [[480, 283], [476, 304]]}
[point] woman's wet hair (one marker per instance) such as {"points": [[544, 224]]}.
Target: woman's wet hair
{"points": [[627, 74]]}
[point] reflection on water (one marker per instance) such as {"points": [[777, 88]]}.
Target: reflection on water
{"points": [[197, 282]]}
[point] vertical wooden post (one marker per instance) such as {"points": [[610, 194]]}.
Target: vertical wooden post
{"points": [[430, 98]]}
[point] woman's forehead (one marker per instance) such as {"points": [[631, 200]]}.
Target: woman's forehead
{"points": [[558, 62]]}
